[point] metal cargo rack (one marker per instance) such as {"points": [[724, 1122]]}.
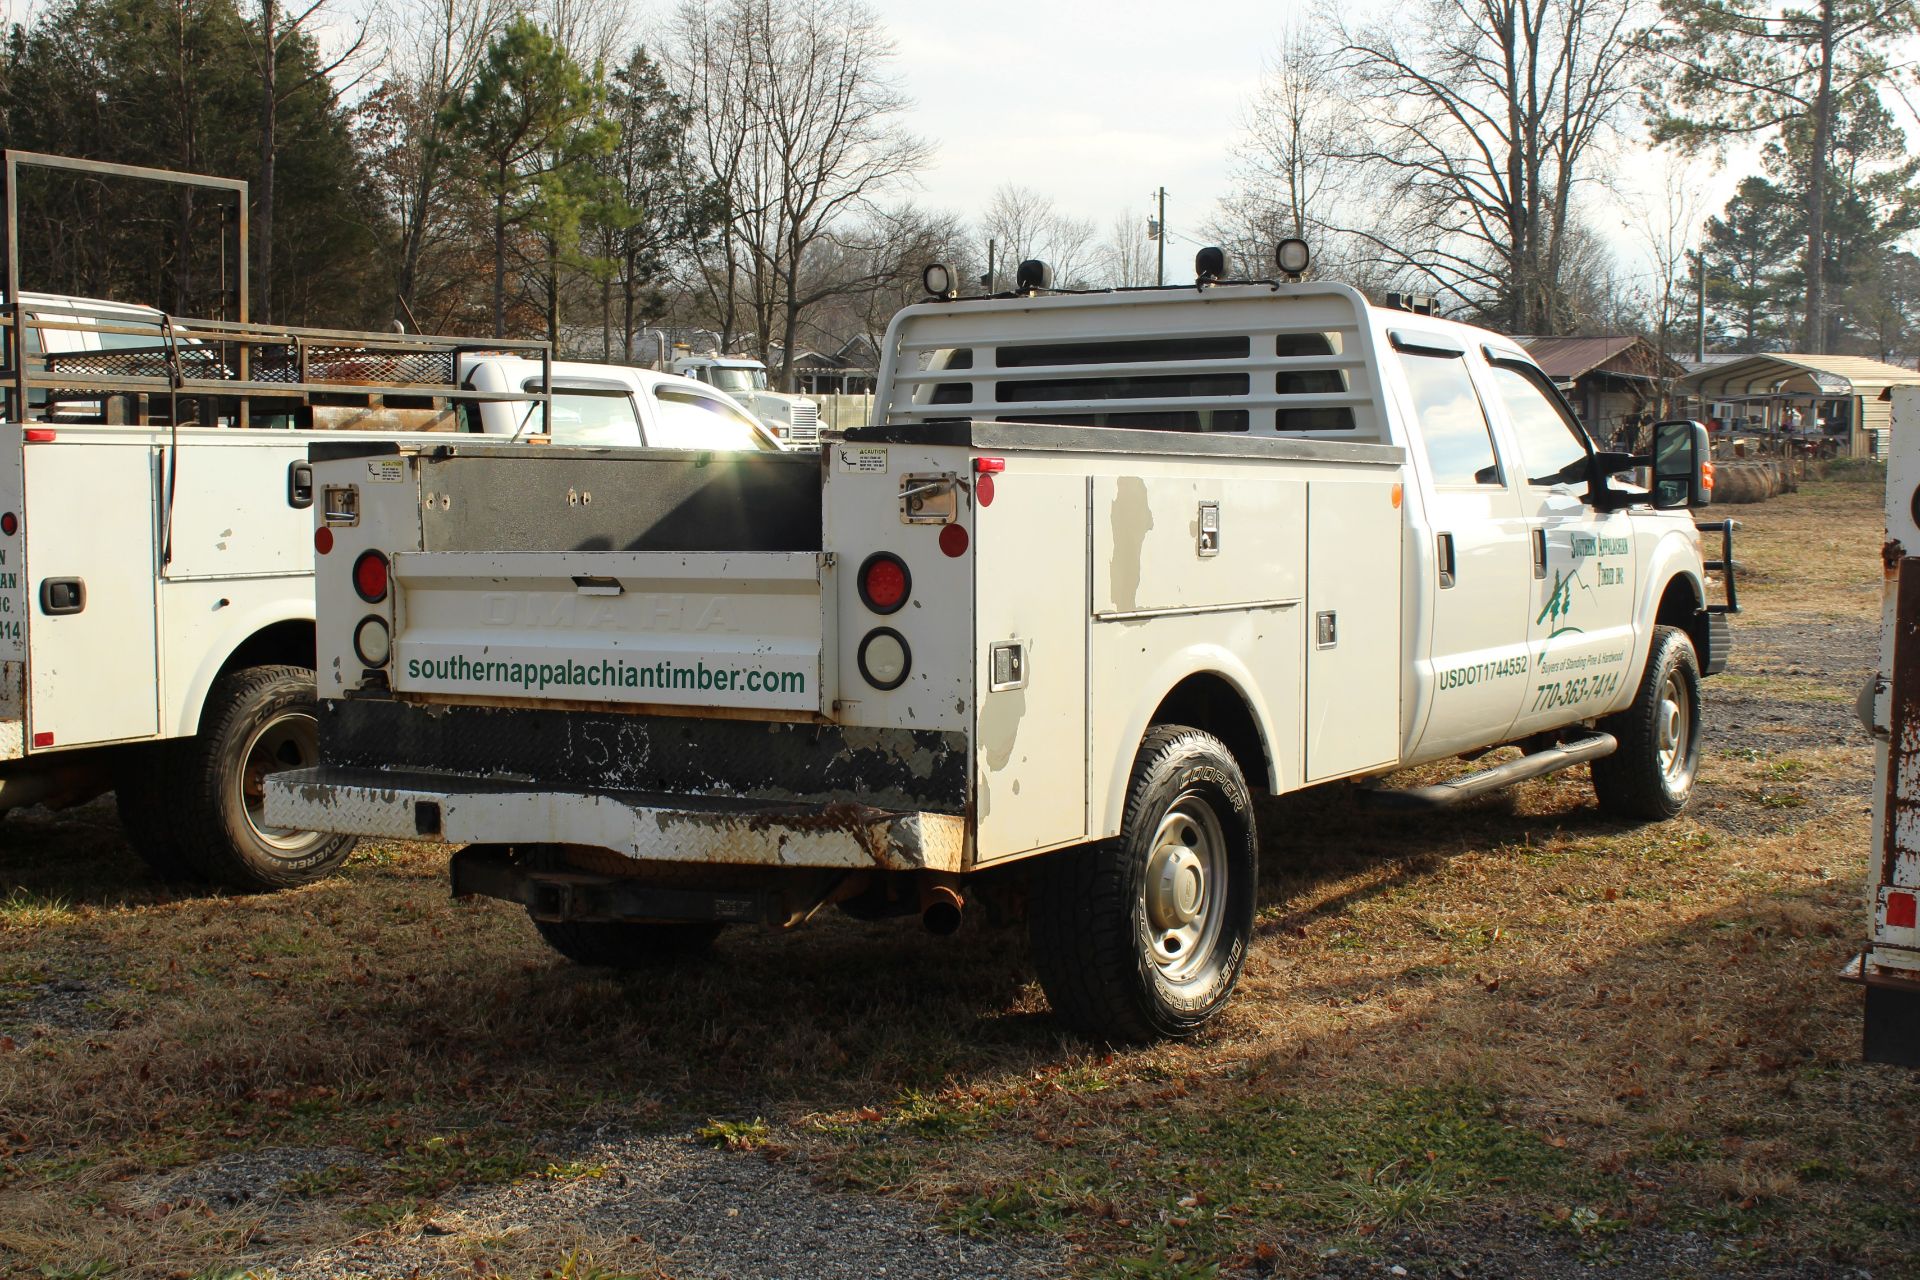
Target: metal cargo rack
{"points": [[171, 371], [164, 370]]}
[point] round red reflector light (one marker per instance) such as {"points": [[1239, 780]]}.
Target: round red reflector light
{"points": [[323, 539], [953, 540], [370, 576], [884, 582], [983, 490], [9, 524]]}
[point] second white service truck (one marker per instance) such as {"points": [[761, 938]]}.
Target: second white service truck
{"points": [[1108, 565]]}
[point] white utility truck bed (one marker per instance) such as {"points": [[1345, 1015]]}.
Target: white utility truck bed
{"points": [[1108, 564]]}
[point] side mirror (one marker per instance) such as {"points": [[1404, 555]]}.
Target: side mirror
{"points": [[1682, 465]]}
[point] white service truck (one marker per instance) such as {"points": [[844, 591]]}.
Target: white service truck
{"points": [[156, 588], [795, 420], [1108, 564]]}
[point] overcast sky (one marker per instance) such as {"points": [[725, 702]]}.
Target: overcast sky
{"points": [[1097, 104], [1092, 104]]}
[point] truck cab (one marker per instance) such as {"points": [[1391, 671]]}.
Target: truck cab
{"points": [[604, 404]]}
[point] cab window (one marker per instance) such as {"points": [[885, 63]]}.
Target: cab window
{"points": [[688, 419], [1553, 448], [1453, 427], [588, 413]]}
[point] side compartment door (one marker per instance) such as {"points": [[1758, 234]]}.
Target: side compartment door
{"points": [[90, 582], [1479, 564], [1580, 623]]}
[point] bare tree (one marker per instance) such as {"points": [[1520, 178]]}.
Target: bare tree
{"points": [[1127, 256], [1285, 165], [1473, 122], [435, 46], [1667, 224], [1025, 224], [797, 122], [276, 30]]}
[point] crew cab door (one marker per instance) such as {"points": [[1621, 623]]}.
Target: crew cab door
{"points": [[1479, 568], [1580, 622]]}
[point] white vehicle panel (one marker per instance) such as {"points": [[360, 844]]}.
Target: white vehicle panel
{"points": [[231, 517], [91, 673], [724, 629], [1151, 553], [1030, 566], [1352, 692]]}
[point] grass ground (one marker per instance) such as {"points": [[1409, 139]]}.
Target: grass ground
{"points": [[1518, 1039]]}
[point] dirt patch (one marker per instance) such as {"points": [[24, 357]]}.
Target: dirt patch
{"points": [[697, 1212], [243, 1178], [34, 1007]]}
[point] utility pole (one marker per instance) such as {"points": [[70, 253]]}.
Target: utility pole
{"points": [[1160, 236], [991, 245], [1700, 307]]}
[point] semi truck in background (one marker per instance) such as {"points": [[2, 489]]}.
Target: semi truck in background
{"points": [[794, 420]]}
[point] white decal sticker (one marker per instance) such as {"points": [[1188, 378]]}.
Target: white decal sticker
{"points": [[386, 471], [868, 461]]}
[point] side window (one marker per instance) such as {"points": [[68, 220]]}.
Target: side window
{"points": [[1553, 448], [1453, 428], [593, 414], [691, 420]]}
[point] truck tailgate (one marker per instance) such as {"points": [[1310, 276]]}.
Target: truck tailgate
{"points": [[743, 630]]}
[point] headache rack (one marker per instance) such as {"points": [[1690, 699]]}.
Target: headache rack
{"points": [[1294, 361]]}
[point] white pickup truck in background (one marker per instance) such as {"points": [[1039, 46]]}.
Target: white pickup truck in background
{"points": [[1109, 564], [156, 591]]}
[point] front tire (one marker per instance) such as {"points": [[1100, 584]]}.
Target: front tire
{"points": [[258, 721], [1651, 776], [1143, 937]]}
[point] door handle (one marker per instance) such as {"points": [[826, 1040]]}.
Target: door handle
{"points": [[60, 596], [300, 485], [1539, 553], [1445, 541]]}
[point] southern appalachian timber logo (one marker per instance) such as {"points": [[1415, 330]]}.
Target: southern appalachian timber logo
{"points": [[1559, 604]]}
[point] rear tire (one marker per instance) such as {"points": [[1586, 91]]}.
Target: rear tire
{"points": [[1143, 937], [257, 721], [626, 945], [1651, 776]]}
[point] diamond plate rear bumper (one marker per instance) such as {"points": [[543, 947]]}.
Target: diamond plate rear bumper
{"points": [[652, 827]]}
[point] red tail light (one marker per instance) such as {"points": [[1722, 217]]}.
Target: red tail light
{"points": [[370, 576], [884, 582], [1901, 910]]}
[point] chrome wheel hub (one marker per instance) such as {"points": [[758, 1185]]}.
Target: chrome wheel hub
{"points": [[290, 741], [1674, 730], [1184, 891]]}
